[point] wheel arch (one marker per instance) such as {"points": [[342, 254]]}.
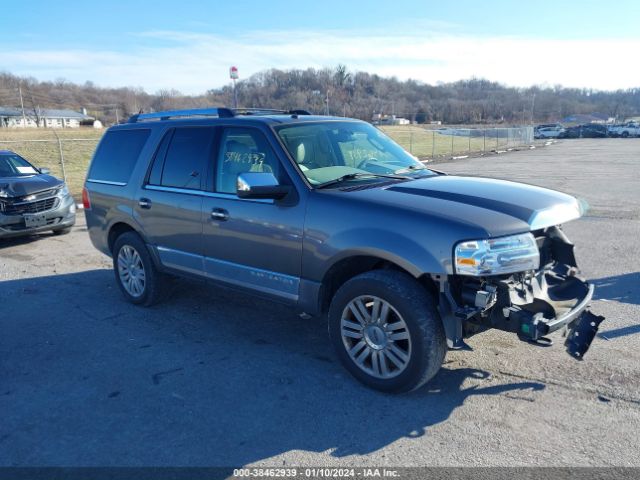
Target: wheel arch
{"points": [[116, 229], [349, 266]]}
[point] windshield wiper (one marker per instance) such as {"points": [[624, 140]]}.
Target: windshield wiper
{"points": [[351, 176], [411, 168]]}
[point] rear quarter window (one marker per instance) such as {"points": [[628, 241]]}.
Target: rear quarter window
{"points": [[117, 155]]}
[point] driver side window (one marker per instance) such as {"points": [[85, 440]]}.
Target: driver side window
{"points": [[243, 150]]}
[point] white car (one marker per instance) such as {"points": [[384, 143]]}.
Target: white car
{"points": [[631, 129], [549, 131]]}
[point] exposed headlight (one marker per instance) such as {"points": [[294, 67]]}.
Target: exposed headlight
{"points": [[497, 256], [64, 191]]}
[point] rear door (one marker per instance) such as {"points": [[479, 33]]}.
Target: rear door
{"points": [[256, 244], [169, 205]]}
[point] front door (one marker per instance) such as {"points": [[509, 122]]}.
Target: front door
{"points": [[255, 244]]}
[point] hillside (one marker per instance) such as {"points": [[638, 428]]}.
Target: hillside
{"points": [[353, 94]]}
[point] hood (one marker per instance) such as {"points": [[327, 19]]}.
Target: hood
{"points": [[23, 186], [480, 206], [536, 207]]}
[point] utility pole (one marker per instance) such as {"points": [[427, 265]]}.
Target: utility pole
{"points": [[24, 117], [235, 94], [533, 103], [233, 74], [327, 102]]}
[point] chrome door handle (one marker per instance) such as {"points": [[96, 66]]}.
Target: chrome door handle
{"points": [[219, 214], [144, 203]]}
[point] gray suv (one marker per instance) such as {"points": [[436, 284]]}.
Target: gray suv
{"points": [[331, 216]]}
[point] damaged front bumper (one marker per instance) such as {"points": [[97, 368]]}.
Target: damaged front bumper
{"points": [[529, 304]]}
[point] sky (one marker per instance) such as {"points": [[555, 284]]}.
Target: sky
{"points": [[189, 45]]}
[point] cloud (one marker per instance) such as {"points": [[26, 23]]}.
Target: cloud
{"points": [[195, 62]]}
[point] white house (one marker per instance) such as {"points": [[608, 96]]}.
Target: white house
{"points": [[15, 118], [379, 119]]}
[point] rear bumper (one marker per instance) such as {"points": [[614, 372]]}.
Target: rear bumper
{"points": [[63, 215]]}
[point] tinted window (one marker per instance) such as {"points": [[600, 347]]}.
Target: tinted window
{"points": [[155, 176], [117, 155], [243, 150], [187, 158]]}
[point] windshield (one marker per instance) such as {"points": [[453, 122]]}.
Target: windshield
{"points": [[330, 150], [13, 165]]}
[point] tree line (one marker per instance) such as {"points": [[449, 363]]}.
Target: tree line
{"points": [[339, 92]]}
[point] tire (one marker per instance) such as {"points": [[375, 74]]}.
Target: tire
{"points": [[625, 135], [130, 256], [421, 340], [62, 231]]}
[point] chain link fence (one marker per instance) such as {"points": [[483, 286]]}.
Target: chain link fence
{"points": [[65, 152], [451, 141]]}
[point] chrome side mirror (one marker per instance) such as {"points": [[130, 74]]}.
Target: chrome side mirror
{"points": [[260, 185]]}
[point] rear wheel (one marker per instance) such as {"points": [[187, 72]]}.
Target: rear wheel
{"points": [[136, 275], [386, 331], [625, 134]]}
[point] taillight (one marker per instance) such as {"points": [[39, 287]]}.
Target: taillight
{"points": [[86, 202]]}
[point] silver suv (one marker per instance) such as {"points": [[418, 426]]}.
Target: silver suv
{"points": [[331, 216]]}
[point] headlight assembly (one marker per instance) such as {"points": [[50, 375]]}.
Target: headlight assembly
{"points": [[497, 256], [64, 191]]}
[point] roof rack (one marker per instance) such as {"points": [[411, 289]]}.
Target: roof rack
{"points": [[197, 112], [219, 112]]}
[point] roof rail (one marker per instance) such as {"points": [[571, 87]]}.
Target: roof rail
{"points": [[196, 112], [268, 111], [219, 112]]}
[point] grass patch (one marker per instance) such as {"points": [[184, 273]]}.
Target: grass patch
{"points": [[428, 143]]}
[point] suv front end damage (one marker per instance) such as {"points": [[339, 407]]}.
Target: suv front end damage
{"points": [[531, 303]]}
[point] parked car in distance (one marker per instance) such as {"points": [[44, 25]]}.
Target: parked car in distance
{"points": [[548, 131], [631, 129], [550, 125], [31, 200], [329, 215], [588, 130]]}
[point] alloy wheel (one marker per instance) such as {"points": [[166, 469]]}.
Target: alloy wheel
{"points": [[375, 336]]}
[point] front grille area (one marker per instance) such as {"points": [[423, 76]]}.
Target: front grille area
{"points": [[20, 208]]}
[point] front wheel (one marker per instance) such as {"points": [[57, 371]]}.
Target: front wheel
{"points": [[386, 331]]}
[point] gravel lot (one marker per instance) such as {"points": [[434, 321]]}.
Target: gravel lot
{"points": [[213, 378]]}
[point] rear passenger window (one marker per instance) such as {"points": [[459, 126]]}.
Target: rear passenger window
{"points": [[187, 158], [117, 155], [155, 176]]}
